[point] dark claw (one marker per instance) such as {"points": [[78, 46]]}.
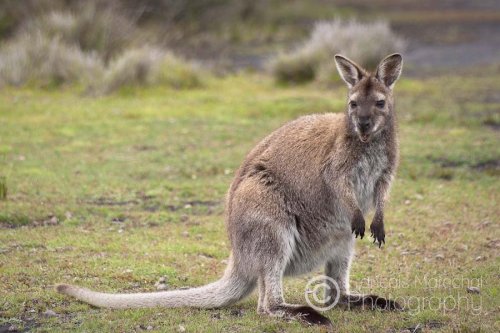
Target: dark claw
{"points": [[378, 233], [358, 225]]}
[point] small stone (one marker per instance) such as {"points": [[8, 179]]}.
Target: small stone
{"points": [[479, 258], [463, 247], [185, 234], [161, 286], [405, 331], [13, 328], [439, 256], [50, 313], [181, 329], [127, 271], [371, 256], [473, 290], [407, 202], [149, 328]]}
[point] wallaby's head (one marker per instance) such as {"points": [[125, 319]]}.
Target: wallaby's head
{"points": [[370, 108]]}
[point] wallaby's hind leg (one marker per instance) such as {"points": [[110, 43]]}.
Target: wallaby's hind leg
{"points": [[263, 242], [276, 305], [337, 268], [261, 306]]}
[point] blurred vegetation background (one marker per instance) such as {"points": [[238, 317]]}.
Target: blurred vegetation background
{"points": [[104, 45], [122, 124]]}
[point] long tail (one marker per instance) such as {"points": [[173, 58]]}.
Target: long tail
{"points": [[231, 288]]}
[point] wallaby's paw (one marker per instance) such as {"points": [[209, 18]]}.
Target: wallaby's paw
{"points": [[378, 232], [358, 225]]}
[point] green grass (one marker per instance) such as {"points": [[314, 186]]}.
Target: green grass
{"points": [[101, 193]]}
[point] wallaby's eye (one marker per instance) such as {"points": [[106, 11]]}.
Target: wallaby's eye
{"points": [[353, 104], [380, 104]]}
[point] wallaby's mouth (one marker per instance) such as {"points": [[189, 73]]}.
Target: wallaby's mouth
{"points": [[364, 137]]}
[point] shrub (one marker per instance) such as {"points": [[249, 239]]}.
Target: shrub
{"points": [[366, 43], [91, 45], [179, 73], [43, 61], [91, 27], [146, 66], [300, 66]]}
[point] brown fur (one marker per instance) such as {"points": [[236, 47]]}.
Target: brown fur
{"points": [[296, 202]]}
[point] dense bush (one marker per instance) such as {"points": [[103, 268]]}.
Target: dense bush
{"points": [[149, 66], [365, 43], [93, 47], [43, 61], [104, 30]]}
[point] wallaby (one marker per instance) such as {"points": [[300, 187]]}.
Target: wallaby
{"points": [[298, 201]]}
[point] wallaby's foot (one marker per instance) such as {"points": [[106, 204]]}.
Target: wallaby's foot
{"points": [[261, 309], [358, 224], [304, 314], [370, 302]]}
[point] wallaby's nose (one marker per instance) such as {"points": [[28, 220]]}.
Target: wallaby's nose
{"points": [[364, 124]]}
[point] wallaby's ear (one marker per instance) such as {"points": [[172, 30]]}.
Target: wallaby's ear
{"points": [[349, 71], [389, 69]]}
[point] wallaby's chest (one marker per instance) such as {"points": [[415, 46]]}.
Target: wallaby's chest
{"points": [[365, 173]]}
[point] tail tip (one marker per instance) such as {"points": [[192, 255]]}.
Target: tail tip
{"points": [[62, 288]]}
